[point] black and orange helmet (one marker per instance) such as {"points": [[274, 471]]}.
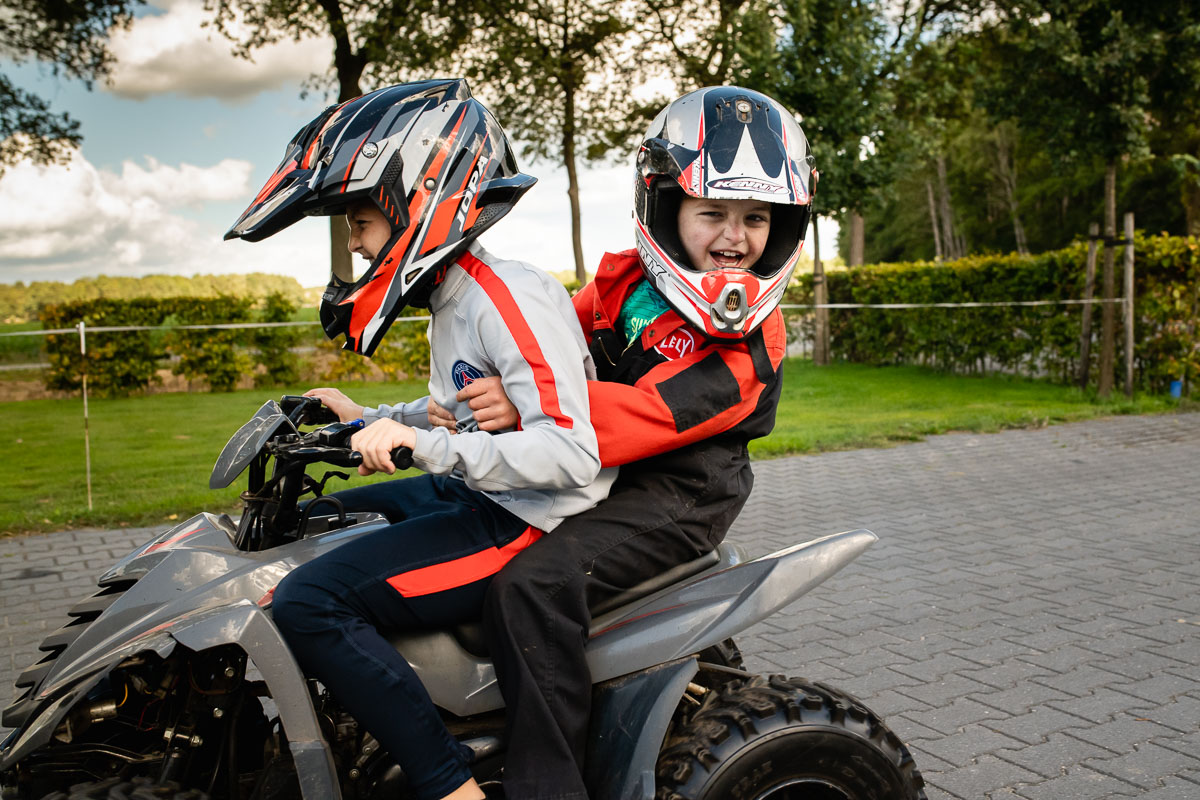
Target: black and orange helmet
{"points": [[434, 161]]}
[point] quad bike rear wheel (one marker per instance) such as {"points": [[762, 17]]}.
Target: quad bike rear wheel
{"points": [[785, 739]]}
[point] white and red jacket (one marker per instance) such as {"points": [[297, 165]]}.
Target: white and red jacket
{"points": [[673, 387], [507, 318]]}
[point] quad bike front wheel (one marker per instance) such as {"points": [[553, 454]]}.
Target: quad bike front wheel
{"points": [[785, 739]]}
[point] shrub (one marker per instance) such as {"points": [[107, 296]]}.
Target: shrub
{"points": [[1037, 340], [117, 362], [217, 355], [403, 353], [275, 345]]}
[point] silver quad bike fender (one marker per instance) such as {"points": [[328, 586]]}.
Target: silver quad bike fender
{"points": [[643, 654], [192, 587]]}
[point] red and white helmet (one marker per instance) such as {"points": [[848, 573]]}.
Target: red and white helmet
{"points": [[723, 143], [430, 157]]}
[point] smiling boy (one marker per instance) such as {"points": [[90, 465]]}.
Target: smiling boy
{"points": [[689, 342]]}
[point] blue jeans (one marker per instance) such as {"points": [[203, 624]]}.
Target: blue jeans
{"points": [[430, 568]]}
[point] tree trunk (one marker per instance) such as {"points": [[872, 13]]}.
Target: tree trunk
{"points": [[857, 238], [349, 66], [820, 298], [1019, 233], [950, 238], [1128, 305], [568, 148], [1006, 173], [1191, 201], [341, 262], [933, 221], [1108, 315], [1089, 290]]}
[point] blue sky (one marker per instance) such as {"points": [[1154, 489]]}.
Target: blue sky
{"points": [[181, 138]]}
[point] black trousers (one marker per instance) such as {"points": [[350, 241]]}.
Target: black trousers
{"points": [[430, 568], [661, 512]]}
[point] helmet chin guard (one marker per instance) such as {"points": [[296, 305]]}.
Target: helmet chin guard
{"points": [[722, 143], [434, 162]]}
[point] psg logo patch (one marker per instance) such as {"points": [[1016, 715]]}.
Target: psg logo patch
{"points": [[678, 344], [464, 373]]}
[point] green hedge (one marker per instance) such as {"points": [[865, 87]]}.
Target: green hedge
{"points": [[116, 363], [1034, 340], [123, 362]]}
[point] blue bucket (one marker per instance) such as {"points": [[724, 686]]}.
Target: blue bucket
{"points": [[1177, 389]]}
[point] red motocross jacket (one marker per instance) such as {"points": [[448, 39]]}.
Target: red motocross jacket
{"points": [[672, 387]]}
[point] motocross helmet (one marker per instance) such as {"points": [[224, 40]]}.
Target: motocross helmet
{"points": [[430, 157], [722, 143]]}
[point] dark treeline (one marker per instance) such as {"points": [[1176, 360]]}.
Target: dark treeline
{"points": [[940, 127], [20, 302], [1012, 125]]}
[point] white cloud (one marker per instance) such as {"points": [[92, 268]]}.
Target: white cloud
{"points": [[538, 229], [65, 222], [185, 185], [175, 52], [61, 223]]}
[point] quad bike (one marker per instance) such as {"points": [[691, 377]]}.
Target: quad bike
{"points": [[173, 682]]}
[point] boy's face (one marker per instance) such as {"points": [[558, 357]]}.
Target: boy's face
{"points": [[369, 229], [723, 234]]}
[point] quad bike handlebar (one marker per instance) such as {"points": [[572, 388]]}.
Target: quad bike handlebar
{"points": [[272, 512]]}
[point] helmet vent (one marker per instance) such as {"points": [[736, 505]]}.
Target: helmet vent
{"points": [[392, 171], [486, 215], [733, 300]]}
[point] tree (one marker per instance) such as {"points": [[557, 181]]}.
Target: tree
{"points": [[830, 65], [71, 36], [834, 71], [558, 75], [1174, 72], [1083, 86], [714, 42], [370, 41]]}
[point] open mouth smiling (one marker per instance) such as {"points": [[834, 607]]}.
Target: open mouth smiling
{"points": [[726, 259]]}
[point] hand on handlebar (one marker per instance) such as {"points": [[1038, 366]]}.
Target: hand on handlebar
{"points": [[376, 443], [345, 408]]}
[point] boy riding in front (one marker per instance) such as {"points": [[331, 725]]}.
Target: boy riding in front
{"points": [[421, 170]]}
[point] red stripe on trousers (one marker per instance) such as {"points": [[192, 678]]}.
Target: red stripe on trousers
{"points": [[510, 312], [461, 571]]}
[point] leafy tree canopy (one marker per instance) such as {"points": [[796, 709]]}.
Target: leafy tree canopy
{"points": [[71, 38]]}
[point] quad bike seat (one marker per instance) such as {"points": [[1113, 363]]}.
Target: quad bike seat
{"points": [[470, 635]]}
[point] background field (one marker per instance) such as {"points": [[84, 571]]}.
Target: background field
{"points": [[151, 455]]}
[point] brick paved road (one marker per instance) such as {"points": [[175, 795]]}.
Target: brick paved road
{"points": [[1029, 621]]}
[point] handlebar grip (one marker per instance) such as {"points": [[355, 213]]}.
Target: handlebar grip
{"points": [[402, 457]]}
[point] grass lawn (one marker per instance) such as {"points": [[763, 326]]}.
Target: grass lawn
{"points": [[151, 455]]}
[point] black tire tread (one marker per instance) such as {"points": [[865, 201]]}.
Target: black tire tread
{"points": [[123, 789], [742, 707]]}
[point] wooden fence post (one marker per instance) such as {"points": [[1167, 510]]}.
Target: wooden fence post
{"points": [[820, 298], [1128, 304], [1089, 290], [1108, 314], [87, 434]]}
